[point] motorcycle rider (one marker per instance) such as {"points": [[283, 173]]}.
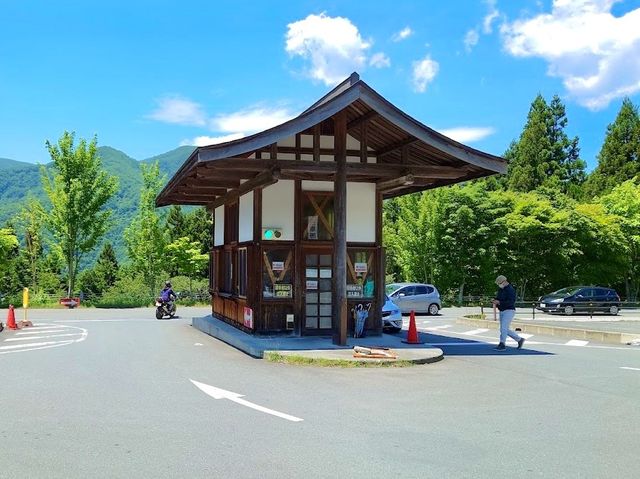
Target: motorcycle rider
{"points": [[167, 295]]}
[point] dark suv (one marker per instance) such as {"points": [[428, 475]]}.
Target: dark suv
{"points": [[581, 299]]}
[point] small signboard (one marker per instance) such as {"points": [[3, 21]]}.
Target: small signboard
{"points": [[248, 318], [277, 266], [283, 290], [354, 291], [312, 284], [360, 267]]}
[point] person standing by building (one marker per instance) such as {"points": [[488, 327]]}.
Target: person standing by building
{"points": [[505, 301]]}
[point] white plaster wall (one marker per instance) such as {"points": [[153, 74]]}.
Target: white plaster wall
{"points": [[218, 237], [361, 212], [308, 185], [246, 217], [278, 207]]}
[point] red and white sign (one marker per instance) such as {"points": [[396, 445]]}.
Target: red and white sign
{"points": [[248, 318]]}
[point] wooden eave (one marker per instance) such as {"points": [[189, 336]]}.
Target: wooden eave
{"points": [[404, 148]]}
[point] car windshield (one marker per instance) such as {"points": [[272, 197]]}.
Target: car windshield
{"points": [[566, 291], [390, 288], [386, 298]]}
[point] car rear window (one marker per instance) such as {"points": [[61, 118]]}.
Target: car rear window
{"points": [[421, 290]]}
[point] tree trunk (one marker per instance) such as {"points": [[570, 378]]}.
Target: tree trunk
{"points": [[461, 293]]}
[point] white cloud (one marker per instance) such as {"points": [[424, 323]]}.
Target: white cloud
{"points": [[468, 134], [332, 45], [596, 54], [403, 34], [493, 14], [211, 140], [424, 71], [379, 60], [471, 39], [251, 120], [175, 109]]}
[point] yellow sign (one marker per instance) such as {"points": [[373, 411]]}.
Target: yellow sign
{"points": [[25, 297]]}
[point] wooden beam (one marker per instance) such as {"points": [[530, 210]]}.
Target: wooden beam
{"points": [[310, 151], [204, 191], [362, 119], [316, 143], [364, 133], [404, 180], [339, 310], [261, 180], [395, 146], [380, 170]]}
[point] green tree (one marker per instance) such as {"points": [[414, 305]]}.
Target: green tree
{"points": [[185, 256], [544, 155], [624, 203], [95, 281], [619, 157], [78, 190], [8, 243], [30, 220], [176, 223], [145, 236]]}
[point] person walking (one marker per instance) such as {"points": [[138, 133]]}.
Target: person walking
{"points": [[505, 301]]}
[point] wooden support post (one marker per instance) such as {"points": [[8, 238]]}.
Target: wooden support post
{"points": [[339, 316]]}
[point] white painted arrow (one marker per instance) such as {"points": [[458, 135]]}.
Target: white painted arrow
{"points": [[217, 393]]}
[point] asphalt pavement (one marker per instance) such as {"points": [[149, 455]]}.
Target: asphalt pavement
{"points": [[131, 400]]}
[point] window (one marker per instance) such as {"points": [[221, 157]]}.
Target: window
{"points": [[430, 289], [360, 273], [408, 291], [317, 215], [421, 290], [242, 272], [277, 277]]}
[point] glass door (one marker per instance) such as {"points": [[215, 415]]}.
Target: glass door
{"points": [[318, 292]]}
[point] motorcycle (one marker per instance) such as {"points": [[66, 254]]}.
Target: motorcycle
{"points": [[165, 308]]}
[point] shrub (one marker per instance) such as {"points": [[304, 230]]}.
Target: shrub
{"points": [[127, 292]]}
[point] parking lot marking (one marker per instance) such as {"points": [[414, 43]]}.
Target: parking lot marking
{"points": [[42, 331], [525, 335], [218, 393], [444, 326], [631, 369], [30, 338], [476, 331], [576, 342]]}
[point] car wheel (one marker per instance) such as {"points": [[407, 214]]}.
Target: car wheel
{"points": [[613, 309], [433, 309], [568, 310]]}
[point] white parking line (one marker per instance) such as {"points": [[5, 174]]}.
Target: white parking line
{"points": [[631, 369], [30, 338], [444, 326], [576, 342], [525, 335], [476, 331], [42, 331]]}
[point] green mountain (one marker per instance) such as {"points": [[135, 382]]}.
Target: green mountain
{"points": [[21, 180], [7, 164]]}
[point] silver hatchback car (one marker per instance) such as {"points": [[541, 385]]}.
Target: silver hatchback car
{"points": [[415, 296]]}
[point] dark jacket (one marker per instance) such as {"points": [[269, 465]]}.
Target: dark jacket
{"points": [[167, 294], [507, 297]]}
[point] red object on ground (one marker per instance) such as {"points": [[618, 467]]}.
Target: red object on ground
{"points": [[70, 302], [412, 335], [11, 318]]}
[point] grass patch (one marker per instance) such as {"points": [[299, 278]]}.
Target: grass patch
{"points": [[334, 363], [475, 316]]}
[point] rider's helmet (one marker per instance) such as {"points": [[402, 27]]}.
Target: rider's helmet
{"points": [[167, 284]]}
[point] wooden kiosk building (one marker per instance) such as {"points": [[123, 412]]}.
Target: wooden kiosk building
{"points": [[298, 209]]}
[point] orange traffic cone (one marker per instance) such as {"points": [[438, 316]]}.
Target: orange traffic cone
{"points": [[412, 335], [11, 318]]}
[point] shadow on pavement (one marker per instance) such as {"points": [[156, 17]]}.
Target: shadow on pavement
{"points": [[466, 347]]}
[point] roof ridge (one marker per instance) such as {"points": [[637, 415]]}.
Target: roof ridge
{"points": [[347, 83]]}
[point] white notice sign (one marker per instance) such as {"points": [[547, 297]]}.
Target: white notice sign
{"points": [[312, 285], [277, 266], [360, 267]]}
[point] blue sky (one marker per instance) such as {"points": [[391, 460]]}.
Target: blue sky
{"points": [[147, 76]]}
